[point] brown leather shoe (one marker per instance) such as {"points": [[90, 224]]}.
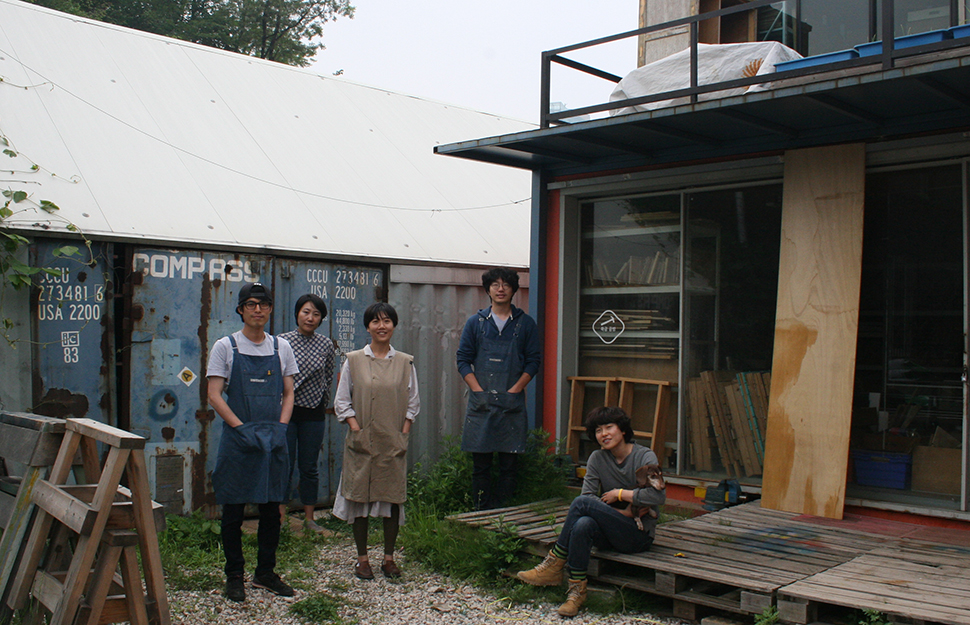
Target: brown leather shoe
{"points": [[390, 569], [363, 570]]}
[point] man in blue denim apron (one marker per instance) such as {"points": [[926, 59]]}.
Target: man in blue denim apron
{"points": [[498, 355], [256, 371]]}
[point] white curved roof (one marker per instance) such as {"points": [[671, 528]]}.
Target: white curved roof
{"points": [[169, 141]]}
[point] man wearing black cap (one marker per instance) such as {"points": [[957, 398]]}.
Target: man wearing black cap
{"points": [[256, 370]]}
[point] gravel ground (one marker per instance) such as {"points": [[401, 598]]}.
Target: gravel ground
{"points": [[420, 596]]}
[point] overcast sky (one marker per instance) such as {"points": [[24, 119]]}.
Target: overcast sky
{"points": [[481, 55]]}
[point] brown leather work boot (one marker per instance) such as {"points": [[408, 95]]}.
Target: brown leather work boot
{"points": [[546, 573], [575, 598]]}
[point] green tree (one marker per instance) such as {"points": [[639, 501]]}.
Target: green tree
{"points": [[286, 31]]}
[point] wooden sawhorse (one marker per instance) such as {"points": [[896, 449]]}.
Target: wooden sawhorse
{"points": [[110, 523]]}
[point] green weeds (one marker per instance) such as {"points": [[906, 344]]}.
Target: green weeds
{"points": [[320, 608], [460, 551], [872, 617], [480, 556], [192, 557], [191, 549], [769, 616]]}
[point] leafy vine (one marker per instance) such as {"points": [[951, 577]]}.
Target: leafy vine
{"points": [[14, 272]]}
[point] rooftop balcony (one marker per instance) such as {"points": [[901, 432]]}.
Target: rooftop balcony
{"points": [[910, 86]]}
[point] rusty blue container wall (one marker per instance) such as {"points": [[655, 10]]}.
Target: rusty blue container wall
{"points": [[348, 290], [182, 302], [433, 304], [72, 329]]}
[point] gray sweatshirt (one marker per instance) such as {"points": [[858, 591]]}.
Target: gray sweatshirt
{"points": [[604, 474]]}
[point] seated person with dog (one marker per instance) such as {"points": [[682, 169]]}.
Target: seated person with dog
{"points": [[615, 510]]}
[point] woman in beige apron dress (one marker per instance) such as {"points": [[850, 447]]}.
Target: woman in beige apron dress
{"points": [[377, 397]]}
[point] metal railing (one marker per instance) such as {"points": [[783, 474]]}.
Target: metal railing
{"points": [[695, 90]]}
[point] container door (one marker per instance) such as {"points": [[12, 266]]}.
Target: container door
{"points": [[181, 303], [73, 352], [348, 291]]}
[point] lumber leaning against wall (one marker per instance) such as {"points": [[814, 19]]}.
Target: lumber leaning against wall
{"points": [[820, 266]]}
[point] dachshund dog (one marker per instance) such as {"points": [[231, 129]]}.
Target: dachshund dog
{"points": [[648, 475]]}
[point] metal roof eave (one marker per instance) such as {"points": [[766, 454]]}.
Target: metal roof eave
{"points": [[927, 94]]}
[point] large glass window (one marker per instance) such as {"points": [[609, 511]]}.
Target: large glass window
{"points": [[730, 294], [908, 410], [631, 255], [676, 294], [833, 25], [630, 304]]}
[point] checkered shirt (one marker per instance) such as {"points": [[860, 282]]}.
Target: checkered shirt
{"points": [[315, 356]]}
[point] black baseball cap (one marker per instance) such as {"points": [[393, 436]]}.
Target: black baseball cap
{"points": [[255, 290]]}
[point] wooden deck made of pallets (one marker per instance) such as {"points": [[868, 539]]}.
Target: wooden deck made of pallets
{"points": [[745, 558]]}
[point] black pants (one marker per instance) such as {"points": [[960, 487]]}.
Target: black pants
{"points": [[267, 537], [482, 494]]}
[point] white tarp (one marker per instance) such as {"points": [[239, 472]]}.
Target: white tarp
{"points": [[715, 63]]}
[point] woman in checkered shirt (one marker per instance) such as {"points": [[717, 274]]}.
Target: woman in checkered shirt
{"points": [[315, 355]]}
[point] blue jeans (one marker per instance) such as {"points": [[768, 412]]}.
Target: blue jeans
{"points": [[303, 438], [592, 523]]}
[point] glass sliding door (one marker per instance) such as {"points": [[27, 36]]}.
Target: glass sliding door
{"points": [[730, 292], [908, 417]]}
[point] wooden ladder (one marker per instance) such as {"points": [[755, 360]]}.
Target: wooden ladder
{"points": [[619, 391], [112, 525]]}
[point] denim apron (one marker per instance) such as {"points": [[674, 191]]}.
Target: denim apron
{"points": [[252, 462], [496, 419]]}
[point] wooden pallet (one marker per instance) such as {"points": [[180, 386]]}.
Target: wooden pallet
{"points": [[744, 559], [913, 579]]}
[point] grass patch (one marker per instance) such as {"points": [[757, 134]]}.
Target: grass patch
{"points": [[479, 556], [320, 608], [459, 551], [192, 556], [191, 549]]}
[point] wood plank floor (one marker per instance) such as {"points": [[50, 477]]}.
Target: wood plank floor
{"points": [[745, 558]]}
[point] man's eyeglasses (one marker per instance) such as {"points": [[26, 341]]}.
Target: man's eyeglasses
{"points": [[498, 286], [253, 305]]}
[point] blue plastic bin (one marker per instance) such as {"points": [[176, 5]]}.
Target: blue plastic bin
{"points": [[933, 36], [882, 468], [963, 30], [818, 59]]}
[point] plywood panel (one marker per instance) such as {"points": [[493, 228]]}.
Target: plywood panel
{"points": [[810, 404]]}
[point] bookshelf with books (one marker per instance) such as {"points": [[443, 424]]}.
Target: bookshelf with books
{"points": [[634, 286]]}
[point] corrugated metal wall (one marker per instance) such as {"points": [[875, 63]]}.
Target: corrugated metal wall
{"points": [[433, 304]]}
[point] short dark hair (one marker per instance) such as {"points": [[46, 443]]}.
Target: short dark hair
{"points": [[317, 302], [380, 309], [604, 415], [506, 275]]}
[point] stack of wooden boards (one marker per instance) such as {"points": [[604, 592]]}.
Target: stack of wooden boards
{"points": [[727, 416]]}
